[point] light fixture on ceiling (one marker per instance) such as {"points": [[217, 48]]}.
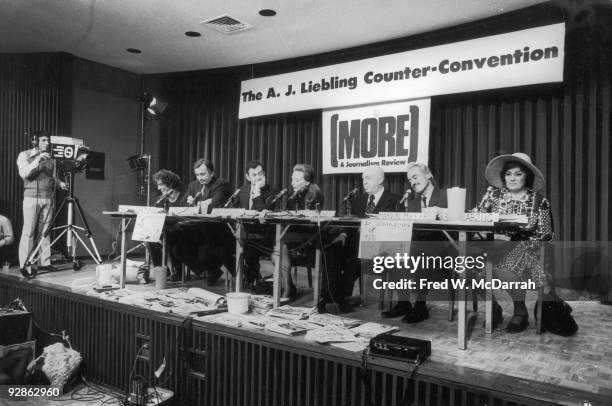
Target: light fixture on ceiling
{"points": [[193, 34], [266, 12], [134, 50]]}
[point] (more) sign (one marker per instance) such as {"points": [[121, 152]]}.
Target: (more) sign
{"points": [[386, 135]]}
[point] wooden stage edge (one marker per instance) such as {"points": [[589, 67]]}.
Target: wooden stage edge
{"points": [[208, 362]]}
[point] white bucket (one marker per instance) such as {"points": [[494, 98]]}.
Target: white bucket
{"points": [[238, 302]]}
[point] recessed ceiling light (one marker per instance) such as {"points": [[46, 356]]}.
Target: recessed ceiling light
{"points": [[134, 51], [193, 34], [266, 12]]}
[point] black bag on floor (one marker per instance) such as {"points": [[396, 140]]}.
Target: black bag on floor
{"points": [[557, 317]]}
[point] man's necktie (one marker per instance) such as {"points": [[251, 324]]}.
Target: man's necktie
{"points": [[370, 207], [424, 201], [251, 200]]}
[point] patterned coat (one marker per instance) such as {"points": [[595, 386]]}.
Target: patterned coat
{"points": [[523, 254]]}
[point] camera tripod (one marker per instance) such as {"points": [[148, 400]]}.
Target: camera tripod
{"points": [[70, 229]]}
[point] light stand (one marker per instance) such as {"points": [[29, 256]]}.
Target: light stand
{"points": [[70, 229], [145, 179], [142, 162]]}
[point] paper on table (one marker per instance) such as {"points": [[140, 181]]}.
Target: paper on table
{"points": [[148, 227], [291, 327], [206, 296], [370, 329], [353, 346], [386, 237], [327, 319], [331, 334], [290, 312]]}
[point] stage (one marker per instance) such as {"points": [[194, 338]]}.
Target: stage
{"points": [[213, 364]]}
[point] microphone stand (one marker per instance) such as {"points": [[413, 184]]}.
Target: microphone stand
{"points": [[348, 208]]}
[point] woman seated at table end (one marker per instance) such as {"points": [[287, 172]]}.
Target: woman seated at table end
{"points": [[515, 182]]}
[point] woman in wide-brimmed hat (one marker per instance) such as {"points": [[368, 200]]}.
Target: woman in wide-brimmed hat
{"points": [[515, 181]]}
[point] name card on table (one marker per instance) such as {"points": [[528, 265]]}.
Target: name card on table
{"points": [[384, 237], [183, 211], [400, 215], [148, 227], [482, 217], [314, 213], [232, 213], [124, 208]]}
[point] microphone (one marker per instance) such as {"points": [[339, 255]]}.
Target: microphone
{"points": [[164, 197], [196, 198], [406, 196], [350, 195], [484, 199], [231, 199], [278, 196]]}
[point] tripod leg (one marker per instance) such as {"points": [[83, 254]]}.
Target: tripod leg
{"points": [[34, 250], [78, 237], [37, 257], [89, 235], [82, 217]]}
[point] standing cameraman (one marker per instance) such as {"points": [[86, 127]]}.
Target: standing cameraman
{"points": [[37, 170]]}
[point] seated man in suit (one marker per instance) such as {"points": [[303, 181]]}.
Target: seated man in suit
{"points": [[257, 195], [424, 194], [207, 187], [342, 270], [375, 198], [205, 249]]}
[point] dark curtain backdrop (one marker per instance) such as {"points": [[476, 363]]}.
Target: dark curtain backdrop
{"points": [[564, 127], [32, 97]]}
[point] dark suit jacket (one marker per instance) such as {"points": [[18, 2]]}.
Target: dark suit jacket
{"points": [[387, 202], [217, 189], [438, 198], [307, 199], [423, 241], [261, 202]]}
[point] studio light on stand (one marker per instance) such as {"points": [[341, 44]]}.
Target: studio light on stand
{"points": [[71, 157], [142, 162], [155, 106]]}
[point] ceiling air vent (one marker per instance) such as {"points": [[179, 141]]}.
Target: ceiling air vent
{"points": [[226, 24]]}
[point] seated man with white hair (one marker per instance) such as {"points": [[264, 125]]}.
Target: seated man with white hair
{"points": [[425, 193], [342, 271]]}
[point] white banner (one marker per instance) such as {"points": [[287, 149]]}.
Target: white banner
{"points": [[387, 135], [518, 58]]}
